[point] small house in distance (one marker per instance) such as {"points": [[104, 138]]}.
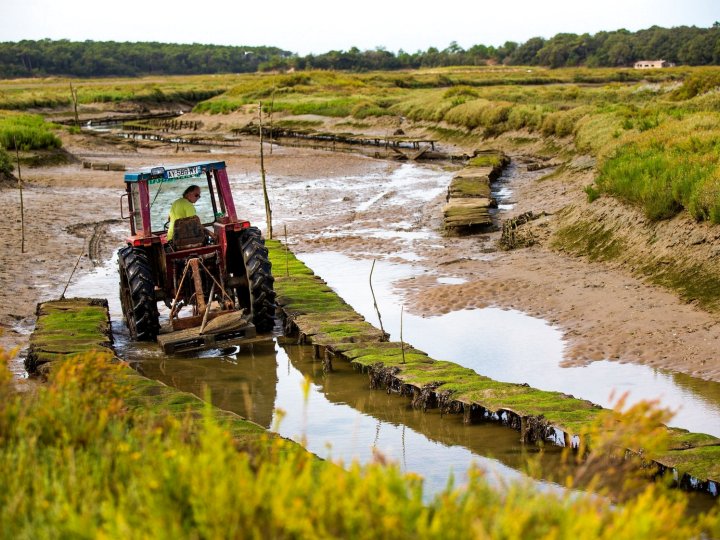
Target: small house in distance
{"points": [[653, 64]]}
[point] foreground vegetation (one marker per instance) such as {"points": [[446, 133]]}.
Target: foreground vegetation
{"points": [[83, 457]]}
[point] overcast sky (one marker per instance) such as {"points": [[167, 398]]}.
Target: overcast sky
{"points": [[316, 26]]}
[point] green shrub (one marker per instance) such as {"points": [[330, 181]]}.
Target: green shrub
{"points": [[6, 166], [562, 123], [698, 83], [28, 131], [462, 91], [528, 117], [591, 192]]}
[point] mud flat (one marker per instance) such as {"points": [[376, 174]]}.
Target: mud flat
{"points": [[469, 199], [317, 316]]}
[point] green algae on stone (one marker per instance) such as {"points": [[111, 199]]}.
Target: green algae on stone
{"points": [[68, 327], [328, 321]]}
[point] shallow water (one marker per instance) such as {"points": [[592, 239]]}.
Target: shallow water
{"points": [[342, 418], [511, 346]]}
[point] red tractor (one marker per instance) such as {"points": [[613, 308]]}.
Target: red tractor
{"points": [[216, 265]]}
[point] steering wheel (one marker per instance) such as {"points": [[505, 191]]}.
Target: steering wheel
{"points": [[167, 225]]}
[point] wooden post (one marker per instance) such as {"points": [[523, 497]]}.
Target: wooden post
{"points": [[268, 211], [270, 130], [402, 343], [73, 94], [287, 253], [197, 280], [22, 205], [375, 302]]}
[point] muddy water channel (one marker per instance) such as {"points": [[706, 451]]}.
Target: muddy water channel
{"points": [[510, 346], [392, 216], [340, 419]]}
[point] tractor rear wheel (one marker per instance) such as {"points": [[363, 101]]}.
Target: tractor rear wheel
{"points": [[137, 294], [259, 295]]}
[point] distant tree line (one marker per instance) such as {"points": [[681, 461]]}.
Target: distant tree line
{"points": [[109, 58], [686, 45]]}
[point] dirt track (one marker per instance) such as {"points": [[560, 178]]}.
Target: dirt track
{"points": [[604, 311]]}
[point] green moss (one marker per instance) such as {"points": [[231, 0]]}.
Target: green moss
{"points": [[590, 239], [701, 462], [486, 160], [694, 282], [469, 187], [68, 327]]}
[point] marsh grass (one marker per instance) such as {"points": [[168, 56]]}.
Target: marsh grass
{"points": [[651, 132], [667, 169], [28, 131], [77, 459], [53, 93], [6, 165]]}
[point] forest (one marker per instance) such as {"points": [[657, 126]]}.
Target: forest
{"points": [[682, 45]]}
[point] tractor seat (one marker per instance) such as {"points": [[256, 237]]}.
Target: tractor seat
{"points": [[188, 233]]}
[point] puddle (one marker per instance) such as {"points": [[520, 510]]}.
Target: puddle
{"points": [[451, 280], [386, 234], [510, 346], [405, 180]]}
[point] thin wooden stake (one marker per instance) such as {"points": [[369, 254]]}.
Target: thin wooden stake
{"points": [[22, 204], [73, 93], [270, 118], [287, 252], [62, 296], [268, 211], [372, 291], [402, 343]]}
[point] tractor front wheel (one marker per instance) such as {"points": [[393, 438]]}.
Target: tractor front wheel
{"points": [[137, 294]]}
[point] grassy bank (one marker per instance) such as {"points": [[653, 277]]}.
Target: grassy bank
{"points": [[27, 131], [654, 133]]}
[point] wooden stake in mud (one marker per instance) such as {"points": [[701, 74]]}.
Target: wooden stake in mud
{"points": [[268, 211], [287, 252], [73, 94], [402, 343], [22, 205], [62, 296], [375, 302], [270, 118]]}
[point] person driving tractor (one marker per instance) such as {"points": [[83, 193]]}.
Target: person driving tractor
{"points": [[183, 207]]}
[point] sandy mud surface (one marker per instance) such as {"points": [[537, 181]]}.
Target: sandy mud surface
{"points": [[320, 197]]}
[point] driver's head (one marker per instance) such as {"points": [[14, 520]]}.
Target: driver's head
{"points": [[192, 193]]}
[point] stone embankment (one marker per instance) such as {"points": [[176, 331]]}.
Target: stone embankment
{"points": [[319, 317], [469, 197], [69, 329]]}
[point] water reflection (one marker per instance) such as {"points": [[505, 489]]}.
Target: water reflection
{"points": [[509, 346], [342, 419]]}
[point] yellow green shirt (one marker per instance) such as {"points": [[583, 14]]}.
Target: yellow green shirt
{"points": [[181, 208]]}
